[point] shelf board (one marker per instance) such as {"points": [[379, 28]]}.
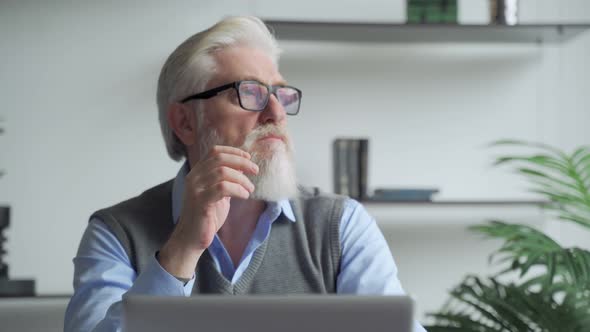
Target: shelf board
{"points": [[455, 213], [364, 32], [459, 202]]}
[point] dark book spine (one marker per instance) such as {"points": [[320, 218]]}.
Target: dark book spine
{"points": [[353, 168], [340, 164], [363, 168]]}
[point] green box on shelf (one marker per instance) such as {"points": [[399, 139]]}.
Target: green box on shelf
{"points": [[433, 11], [415, 15]]}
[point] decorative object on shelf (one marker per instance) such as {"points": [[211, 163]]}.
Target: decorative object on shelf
{"points": [[403, 195], [432, 11], [350, 161], [547, 289], [8, 287], [504, 12]]}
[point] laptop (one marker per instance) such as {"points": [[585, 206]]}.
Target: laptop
{"points": [[285, 313]]}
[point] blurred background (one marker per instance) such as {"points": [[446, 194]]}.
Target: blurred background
{"points": [[78, 82]]}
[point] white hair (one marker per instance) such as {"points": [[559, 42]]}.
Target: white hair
{"points": [[192, 65]]}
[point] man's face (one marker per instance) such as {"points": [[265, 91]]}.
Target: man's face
{"points": [[223, 112], [263, 134]]}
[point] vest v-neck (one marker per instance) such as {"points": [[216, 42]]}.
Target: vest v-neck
{"points": [[221, 258], [218, 281]]}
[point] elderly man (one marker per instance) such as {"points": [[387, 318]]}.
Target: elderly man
{"points": [[233, 221]]}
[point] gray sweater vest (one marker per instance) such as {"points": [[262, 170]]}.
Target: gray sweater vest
{"points": [[297, 257]]}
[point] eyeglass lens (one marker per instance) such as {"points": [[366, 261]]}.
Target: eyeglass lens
{"points": [[254, 97]]}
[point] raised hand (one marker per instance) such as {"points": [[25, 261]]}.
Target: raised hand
{"points": [[208, 188]]}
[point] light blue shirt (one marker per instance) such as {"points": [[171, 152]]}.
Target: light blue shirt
{"points": [[103, 271]]}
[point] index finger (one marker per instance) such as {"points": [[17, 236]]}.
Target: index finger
{"points": [[230, 150]]}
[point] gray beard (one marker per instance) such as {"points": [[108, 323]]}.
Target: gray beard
{"points": [[276, 179]]}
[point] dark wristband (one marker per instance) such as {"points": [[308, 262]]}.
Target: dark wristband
{"points": [[183, 280]]}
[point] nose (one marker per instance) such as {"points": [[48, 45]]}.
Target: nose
{"points": [[274, 111]]}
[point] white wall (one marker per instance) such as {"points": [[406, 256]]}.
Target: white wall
{"points": [[77, 84], [429, 111], [77, 87]]}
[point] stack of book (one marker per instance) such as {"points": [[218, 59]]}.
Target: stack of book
{"points": [[350, 175], [350, 167]]}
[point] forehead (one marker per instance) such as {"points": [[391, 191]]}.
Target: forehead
{"points": [[238, 63]]}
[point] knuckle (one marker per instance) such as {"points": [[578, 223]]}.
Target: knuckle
{"points": [[222, 171], [222, 186], [213, 151], [196, 192], [216, 157]]}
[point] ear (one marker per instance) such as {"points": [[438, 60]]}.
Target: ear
{"points": [[182, 120]]}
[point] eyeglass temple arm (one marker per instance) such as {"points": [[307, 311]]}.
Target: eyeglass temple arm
{"points": [[209, 93]]}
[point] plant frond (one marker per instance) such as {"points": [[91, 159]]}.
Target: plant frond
{"points": [[550, 291], [576, 219], [525, 247], [488, 305], [528, 144], [545, 161], [581, 155]]}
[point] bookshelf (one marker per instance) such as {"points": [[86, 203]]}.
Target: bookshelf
{"points": [[376, 32]]}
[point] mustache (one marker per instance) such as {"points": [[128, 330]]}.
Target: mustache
{"points": [[264, 131]]}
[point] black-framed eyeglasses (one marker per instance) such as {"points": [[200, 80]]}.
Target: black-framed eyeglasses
{"points": [[254, 95]]}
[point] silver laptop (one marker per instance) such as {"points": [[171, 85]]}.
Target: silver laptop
{"points": [[309, 313]]}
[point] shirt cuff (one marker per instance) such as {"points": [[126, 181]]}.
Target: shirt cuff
{"points": [[155, 280]]}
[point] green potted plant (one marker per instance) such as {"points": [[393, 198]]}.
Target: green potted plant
{"points": [[541, 286]]}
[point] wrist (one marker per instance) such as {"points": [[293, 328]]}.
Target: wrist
{"points": [[178, 259], [181, 279]]}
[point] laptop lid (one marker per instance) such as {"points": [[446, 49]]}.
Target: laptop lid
{"points": [[293, 313]]}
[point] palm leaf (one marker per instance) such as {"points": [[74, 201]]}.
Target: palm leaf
{"points": [[582, 221], [550, 162], [525, 247], [552, 290], [563, 179], [581, 158], [523, 143], [488, 305]]}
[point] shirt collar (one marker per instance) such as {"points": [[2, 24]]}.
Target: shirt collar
{"points": [[283, 205]]}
